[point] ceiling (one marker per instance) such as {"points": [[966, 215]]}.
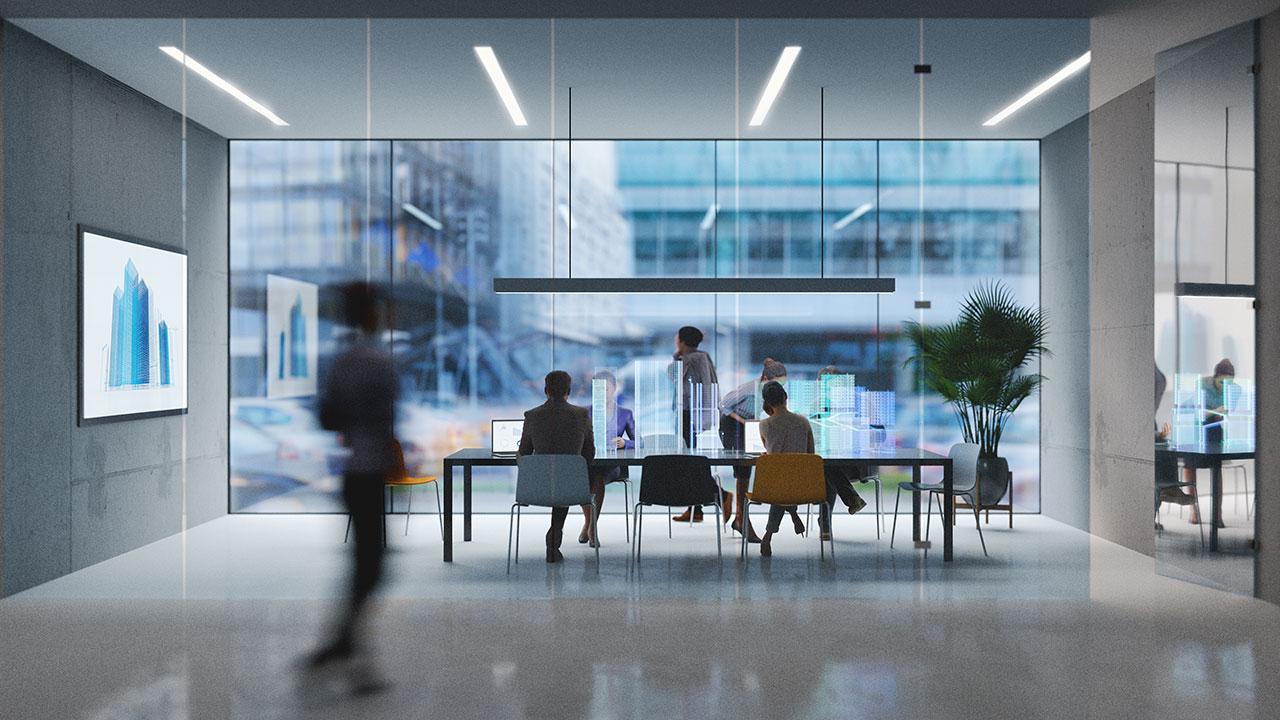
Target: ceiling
{"points": [[560, 8], [417, 78]]}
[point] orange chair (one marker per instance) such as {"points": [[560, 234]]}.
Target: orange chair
{"points": [[789, 479], [400, 477]]}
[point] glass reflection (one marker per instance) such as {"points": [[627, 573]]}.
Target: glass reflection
{"points": [[436, 220]]}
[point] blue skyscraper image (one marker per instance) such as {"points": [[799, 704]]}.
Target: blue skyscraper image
{"points": [[162, 334], [297, 342], [280, 359], [130, 354]]}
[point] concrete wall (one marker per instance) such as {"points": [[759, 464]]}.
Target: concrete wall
{"points": [[1121, 317], [81, 148], [1267, 575], [1064, 288]]}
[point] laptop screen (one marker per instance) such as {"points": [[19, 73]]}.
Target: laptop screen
{"points": [[505, 436], [752, 442]]}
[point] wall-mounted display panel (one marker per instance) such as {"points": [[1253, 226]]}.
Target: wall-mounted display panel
{"points": [[133, 328]]}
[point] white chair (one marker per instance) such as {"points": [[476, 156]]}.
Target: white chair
{"points": [[964, 481]]}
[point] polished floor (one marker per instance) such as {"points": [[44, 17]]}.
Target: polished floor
{"points": [[1054, 624]]}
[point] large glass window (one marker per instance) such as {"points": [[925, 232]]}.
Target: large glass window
{"points": [[435, 221]]}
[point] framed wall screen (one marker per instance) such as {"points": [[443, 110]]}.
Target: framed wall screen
{"points": [[133, 328]]}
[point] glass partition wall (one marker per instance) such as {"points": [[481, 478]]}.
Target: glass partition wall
{"points": [[616, 173], [1204, 312]]}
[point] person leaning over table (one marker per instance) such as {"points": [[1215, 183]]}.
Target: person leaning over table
{"points": [[782, 432], [736, 409], [696, 369], [557, 428], [620, 434]]}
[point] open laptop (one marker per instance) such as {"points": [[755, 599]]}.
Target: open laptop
{"points": [[504, 437], [752, 442]]}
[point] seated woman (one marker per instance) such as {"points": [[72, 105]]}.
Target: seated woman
{"points": [[620, 429]]}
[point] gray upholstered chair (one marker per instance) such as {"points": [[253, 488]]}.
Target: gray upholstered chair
{"points": [[964, 481], [550, 481]]}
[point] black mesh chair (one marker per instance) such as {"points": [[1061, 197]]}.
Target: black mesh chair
{"points": [[676, 481]]}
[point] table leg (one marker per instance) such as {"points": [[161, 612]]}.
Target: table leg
{"points": [[447, 511], [915, 505], [949, 510], [1215, 474], [466, 503]]}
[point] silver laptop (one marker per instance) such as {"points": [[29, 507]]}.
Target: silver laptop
{"points": [[504, 436]]}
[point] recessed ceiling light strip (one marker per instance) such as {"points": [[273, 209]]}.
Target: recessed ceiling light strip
{"points": [[221, 83], [774, 86], [499, 79], [1045, 86]]}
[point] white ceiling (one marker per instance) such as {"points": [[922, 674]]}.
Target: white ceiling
{"points": [[630, 78]]}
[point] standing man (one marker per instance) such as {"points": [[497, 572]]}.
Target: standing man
{"points": [[557, 428], [698, 374], [359, 402]]}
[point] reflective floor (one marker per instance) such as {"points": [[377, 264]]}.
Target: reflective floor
{"points": [[1054, 624]]}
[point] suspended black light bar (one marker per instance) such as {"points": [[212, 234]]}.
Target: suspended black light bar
{"points": [[696, 285]]}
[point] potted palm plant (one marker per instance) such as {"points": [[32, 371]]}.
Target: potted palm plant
{"points": [[983, 365]]}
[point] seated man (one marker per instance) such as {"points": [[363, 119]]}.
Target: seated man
{"points": [[620, 429], [782, 432], [557, 428]]}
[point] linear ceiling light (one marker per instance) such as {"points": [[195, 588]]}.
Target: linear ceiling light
{"points": [[1045, 86], [422, 215], [219, 82], [499, 80], [709, 219], [858, 212], [774, 86]]}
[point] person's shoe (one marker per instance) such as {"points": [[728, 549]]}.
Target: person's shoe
{"points": [[1176, 496], [766, 545], [554, 555], [752, 537], [329, 654], [826, 536], [684, 516], [797, 523], [593, 543], [726, 505], [858, 504], [585, 536], [366, 680]]}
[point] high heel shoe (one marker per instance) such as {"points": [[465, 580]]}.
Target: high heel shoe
{"points": [[797, 523], [751, 531], [584, 537]]}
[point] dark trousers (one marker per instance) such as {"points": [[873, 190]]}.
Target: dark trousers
{"points": [[556, 533], [838, 485], [362, 493]]}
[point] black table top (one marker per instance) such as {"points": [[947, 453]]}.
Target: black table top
{"points": [[1208, 451], [894, 456]]}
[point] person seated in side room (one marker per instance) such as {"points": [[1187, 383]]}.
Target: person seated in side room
{"points": [[557, 428], [1215, 408], [620, 434], [782, 432]]}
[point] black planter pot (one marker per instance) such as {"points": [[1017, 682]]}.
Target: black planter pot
{"points": [[993, 480]]}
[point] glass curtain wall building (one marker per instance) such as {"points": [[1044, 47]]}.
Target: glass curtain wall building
{"points": [[436, 221]]}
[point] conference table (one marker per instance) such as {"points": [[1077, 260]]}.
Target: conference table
{"points": [[1211, 456], [916, 459]]}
